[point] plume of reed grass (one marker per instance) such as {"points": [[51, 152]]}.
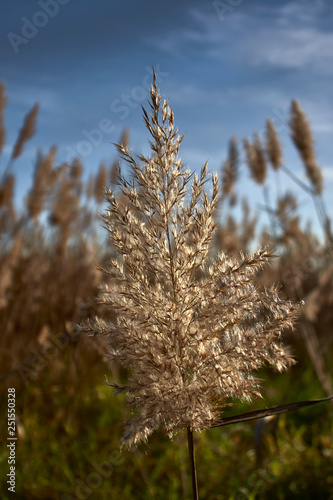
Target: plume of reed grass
{"points": [[66, 209], [27, 131], [124, 140], [192, 330], [76, 170], [302, 137], [256, 159], [100, 184], [7, 191], [7, 209], [303, 140], [43, 182], [230, 169], [273, 146]]}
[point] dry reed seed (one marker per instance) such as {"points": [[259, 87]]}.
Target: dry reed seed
{"points": [[303, 140], [7, 191], [273, 146], [230, 168], [43, 182], [27, 131], [76, 169], [100, 183], [256, 160], [124, 140], [193, 330]]}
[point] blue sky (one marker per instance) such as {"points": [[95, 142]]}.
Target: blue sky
{"points": [[226, 65]]}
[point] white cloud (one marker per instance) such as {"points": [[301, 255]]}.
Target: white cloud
{"points": [[285, 36], [302, 48], [304, 11]]}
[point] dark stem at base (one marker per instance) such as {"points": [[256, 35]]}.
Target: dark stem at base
{"points": [[192, 464]]}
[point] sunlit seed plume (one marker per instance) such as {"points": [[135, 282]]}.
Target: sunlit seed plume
{"points": [[256, 160], [230, 168], [100, 183], [302, 137], [192, 329], [7, 191], [124, 140], [43, 181], [273, 146], [65, 210], [76, 169], [114, 168], [27, 131], [8, 215]]}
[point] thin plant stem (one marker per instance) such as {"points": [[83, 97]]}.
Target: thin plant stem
{"points": [[269, 213], [297, 181], [192, 464], [277, 186]]}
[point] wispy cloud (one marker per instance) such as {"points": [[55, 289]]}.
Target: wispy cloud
{"points": [[300, 49], [292, 37]]}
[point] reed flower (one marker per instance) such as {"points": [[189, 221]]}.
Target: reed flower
{"points": [[101, 181], [303, 140], [273, 145], [27, 131], [191, 329], [43, 181], [256, 159], [230, 169]]}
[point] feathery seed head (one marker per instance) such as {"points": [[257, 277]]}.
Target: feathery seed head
{"points": [[26, 132], [7, 191], [256, 160], [303, 140], [43, 181], [100, 183], [230, 169], [191, 329], [273, 146]]}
